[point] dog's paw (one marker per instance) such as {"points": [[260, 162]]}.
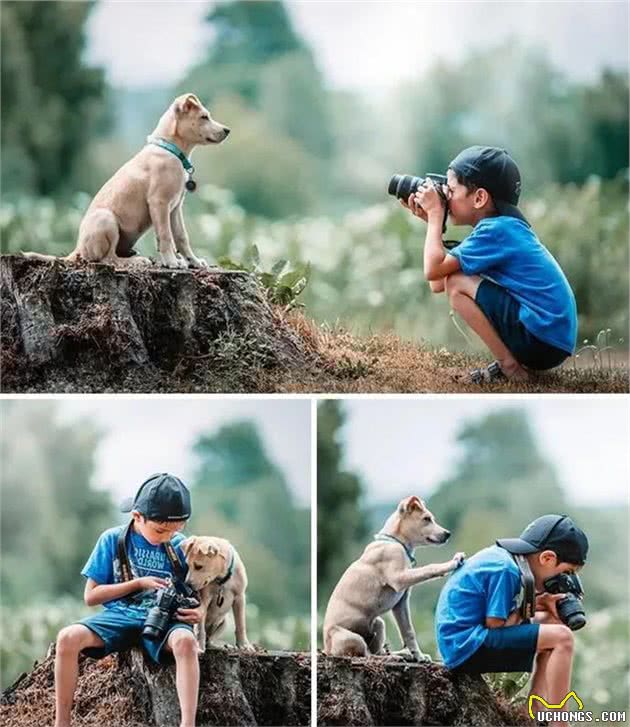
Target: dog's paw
{"points": [[170, 261], [245, 646], [196, 262]]}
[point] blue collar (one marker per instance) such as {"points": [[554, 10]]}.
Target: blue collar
{"points": [[230, 571], [174, 149], [394, 539]]}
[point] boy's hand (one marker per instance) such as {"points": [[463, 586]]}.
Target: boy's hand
{"points": [[189, 615], [429, 199], [548, 602], [149, 583], [415, 209]]}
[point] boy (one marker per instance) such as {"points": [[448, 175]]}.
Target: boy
{"points": [[479, 628], [159, 510], [501, 280]]}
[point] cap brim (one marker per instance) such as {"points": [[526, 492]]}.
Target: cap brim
{"points": [[517, 546], [510, 210], [126, 505]]}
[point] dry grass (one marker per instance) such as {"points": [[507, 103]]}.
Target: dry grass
{"points": [[383, 363]]}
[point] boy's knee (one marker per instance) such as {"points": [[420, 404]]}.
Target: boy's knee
{"points": [[70, 639], [183, 643], [566, 639]]}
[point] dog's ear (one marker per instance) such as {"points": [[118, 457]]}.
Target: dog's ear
{"points": [[187, 103], [187, 544], [409, 504], [208, 548]]}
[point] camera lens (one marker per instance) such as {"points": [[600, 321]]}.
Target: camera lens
{"points": [[571, 612], [402, 185]]}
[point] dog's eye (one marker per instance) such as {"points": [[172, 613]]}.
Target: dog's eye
{"points": [[197, 566]]}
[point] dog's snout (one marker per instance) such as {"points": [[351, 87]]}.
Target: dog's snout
{"points": [[226, 131]]}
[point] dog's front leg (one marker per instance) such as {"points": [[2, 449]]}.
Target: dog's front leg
{"points": [[403, 579], [407, 632], [238, 609], [161, 220], [182, 242]]}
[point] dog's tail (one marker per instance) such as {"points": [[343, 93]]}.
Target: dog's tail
{"points": [[74, 255]]}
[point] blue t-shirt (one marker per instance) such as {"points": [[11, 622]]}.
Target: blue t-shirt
{"points": [[144, 559], [486, 586], [506, 250]]}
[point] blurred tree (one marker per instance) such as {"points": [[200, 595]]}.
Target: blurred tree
{"points": [[556, 130], [237, 483], [51, 515], [341, 521], [51, 101], [500, 472]]}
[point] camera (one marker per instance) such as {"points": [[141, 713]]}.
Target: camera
{"points": [[402, 185], [167, 602], [570, 608]]}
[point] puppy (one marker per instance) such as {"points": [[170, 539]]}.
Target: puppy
{"points": [[217, 573], [148, 190], [380, 581]]}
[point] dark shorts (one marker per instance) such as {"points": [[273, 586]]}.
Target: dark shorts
{"points": [[511, 648], [121, 632], [502, 310]]}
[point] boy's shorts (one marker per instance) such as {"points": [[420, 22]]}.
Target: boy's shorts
{"points": [[502, 310], [121, 631], [511, 648]]}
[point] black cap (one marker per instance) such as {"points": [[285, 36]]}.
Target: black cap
{"points": [[551, 532], [160, 497], [494, 170]]}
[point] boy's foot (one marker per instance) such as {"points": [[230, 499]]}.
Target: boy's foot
{"points": [[497, 372]]}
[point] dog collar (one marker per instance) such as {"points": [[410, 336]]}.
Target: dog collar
{"points": [[174, 149], [394, 539], [230, 571]]}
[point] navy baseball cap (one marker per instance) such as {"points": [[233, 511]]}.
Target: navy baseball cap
{"points": [[160, 497], [494, 170], [550, 532]]}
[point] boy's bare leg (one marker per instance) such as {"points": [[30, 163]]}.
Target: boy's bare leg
{"points": [[558, 642], [539, 681], [461, 290], [184, 646], [70, 641]]}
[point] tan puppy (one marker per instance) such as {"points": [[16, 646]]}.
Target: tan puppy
{"points": [[217, 573], [148, 190], [380, 581]]}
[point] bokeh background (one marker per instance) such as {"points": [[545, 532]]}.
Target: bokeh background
{"points": [[486, 469], [326, 100], [67, 464]]}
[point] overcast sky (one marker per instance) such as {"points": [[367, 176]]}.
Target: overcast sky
{"points": [[143, 436], [363, 45], [403, 446]]}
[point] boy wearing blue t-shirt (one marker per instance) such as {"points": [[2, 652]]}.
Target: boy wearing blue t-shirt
{"points": [[478, 622], [501, 279], [128, 590]]}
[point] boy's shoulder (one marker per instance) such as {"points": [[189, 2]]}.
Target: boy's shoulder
{"points": [[112, 533], [493, 558], [506, 224]]}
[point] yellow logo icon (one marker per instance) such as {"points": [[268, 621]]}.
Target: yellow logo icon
{"points": [[553, 706]]}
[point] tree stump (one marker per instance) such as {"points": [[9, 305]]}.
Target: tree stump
{"points": [[382, 691], [92, 327], [127, 690]]}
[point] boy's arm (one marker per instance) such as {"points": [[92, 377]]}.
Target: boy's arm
{"points": [[437, 263], [96, 593]]}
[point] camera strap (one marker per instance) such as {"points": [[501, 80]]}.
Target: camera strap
{"points": [[528, 602], [125, 565]]}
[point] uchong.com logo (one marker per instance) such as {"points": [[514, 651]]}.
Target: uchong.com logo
{"points": [[551, 713]]}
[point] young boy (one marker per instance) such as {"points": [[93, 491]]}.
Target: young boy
{"points": [[501, 280], [159, 510], [478, 626]]}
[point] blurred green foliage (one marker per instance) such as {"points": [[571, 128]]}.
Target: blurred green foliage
{"points": [[500, 482], [53, 512]]}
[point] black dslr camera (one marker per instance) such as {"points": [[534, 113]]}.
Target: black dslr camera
{"points": [[166, 605], [570, 608], [402, 185]]}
